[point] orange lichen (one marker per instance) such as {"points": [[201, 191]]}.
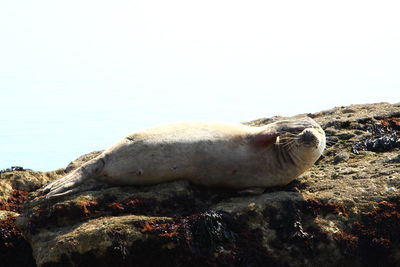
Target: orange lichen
{"points": [[392, 122], [317, 207], [59, 214], [347, 242], [89, 207], [15, 201], [373, 236], [161, 229]]}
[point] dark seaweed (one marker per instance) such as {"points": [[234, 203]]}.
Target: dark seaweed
{"points": [[385, 136]]}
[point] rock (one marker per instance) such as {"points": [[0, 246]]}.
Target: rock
{"points": [[345, 136], [341, 157], [395, 159], [345, 211]]}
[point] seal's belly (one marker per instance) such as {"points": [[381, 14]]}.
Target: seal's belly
{"points": [[202, 154], [209, 162], [148, 162]]}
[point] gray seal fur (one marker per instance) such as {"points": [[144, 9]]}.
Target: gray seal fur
{"points": [[210, 154]]}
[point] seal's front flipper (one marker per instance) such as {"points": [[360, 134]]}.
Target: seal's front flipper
{"points": [[252, 191], [264, 139]]}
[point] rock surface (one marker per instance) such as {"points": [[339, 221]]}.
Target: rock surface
{"points": [[344, 211]]}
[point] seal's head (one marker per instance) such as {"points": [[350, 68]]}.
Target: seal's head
{"points": [[302, 140], [311, 141]]}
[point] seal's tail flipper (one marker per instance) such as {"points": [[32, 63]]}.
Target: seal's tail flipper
{"points": [[67, 184]]}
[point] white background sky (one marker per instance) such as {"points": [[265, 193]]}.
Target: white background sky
{"points": [[76, 76]]}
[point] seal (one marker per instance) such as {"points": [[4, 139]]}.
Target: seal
{"points": [[210, 154]]}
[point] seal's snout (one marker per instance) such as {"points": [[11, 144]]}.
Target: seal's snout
{"points": [[308, 137]]}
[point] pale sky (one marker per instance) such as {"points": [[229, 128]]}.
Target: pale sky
{"points": [[76, 76]]}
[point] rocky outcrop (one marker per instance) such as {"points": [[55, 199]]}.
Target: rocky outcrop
{"points": [[345, 211]]}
